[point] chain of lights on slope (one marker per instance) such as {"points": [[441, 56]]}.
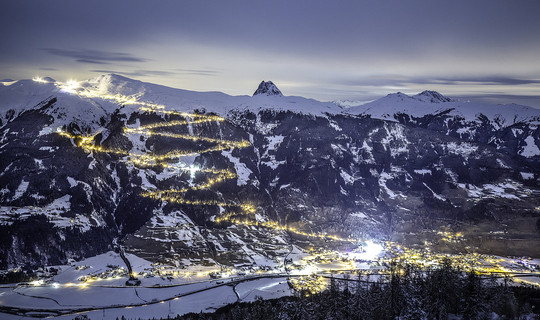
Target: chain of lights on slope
{"points": [[148, 160]]}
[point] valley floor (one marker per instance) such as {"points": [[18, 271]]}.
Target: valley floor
{"points": [[97, 286]]}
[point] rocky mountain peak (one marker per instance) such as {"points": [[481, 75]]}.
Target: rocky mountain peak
{"points": [[432, 96], [267, 88]]}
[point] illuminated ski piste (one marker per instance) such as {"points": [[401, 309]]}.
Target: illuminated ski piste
{"points": [[170, 159]]}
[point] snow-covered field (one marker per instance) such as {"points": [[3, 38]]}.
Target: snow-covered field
{"points": [[65, 294], [97, 287]]}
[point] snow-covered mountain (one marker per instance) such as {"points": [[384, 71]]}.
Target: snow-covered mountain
{"points": [[180, 176], [430, 102], [106, 92], [468, 121]]}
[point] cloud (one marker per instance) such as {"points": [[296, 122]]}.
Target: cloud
{"points": [[397, 80], [91, 61], [137, 73], [148, 73], [532, 100], [198, 72], [487, 80], [94, 56]]}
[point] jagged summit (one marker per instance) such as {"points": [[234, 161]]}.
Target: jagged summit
{"points": [[267, 88], [432, 96]]}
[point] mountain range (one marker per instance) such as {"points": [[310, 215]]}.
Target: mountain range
{"points": [[183, 177]]}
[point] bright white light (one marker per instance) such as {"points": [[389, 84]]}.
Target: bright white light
{"points": [[70, 86], [56, 285], [40, 80], [372, 250], [192, 170], [37, 283]]}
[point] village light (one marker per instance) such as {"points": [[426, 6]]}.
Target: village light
{"points": [[372, 250]]}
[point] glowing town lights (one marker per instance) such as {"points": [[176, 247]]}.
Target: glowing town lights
{"points": [[308, 285], [450, 237]]}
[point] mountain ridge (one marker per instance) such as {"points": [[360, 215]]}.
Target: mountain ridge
{"points": [[80, 167]]}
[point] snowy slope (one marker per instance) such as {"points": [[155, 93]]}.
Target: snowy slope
{"points": [[19, 96]]}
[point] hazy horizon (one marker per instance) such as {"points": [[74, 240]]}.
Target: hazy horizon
{"points": [[351, 50]]}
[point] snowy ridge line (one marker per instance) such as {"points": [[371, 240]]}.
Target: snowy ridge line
{"points": [[120, 91], [433, 103]]}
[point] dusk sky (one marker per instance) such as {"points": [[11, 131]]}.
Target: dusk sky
{"points": [[486, 50]]}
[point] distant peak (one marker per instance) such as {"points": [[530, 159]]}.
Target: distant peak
{"points": [[432, 96], [112, 77], [398, 94], [267, 88]]}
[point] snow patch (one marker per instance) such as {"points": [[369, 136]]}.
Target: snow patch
{"points": [[527, 175], [347, 177], [530, 149], [359, 215], [274, 142], [20, 190], [383, 177], [72, 182], [502, 164], [434, 194], [464, 149], [334, 125], [241, 169]]}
